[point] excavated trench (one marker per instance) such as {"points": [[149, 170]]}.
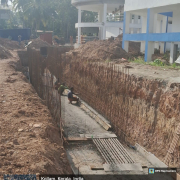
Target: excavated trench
{"points": [[142, 107], [140, 101]]}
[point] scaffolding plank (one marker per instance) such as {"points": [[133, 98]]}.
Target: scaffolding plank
{"points": [[98, 136], [123, 167]]}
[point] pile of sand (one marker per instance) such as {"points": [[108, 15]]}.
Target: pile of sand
{"points": [[102, 50], [11, 45], [38, 43], [6, 46], [4, 53]]}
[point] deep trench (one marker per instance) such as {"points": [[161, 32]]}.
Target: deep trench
{"points": [[141, 106]]}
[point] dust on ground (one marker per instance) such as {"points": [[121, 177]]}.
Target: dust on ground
{"points": [[29, 138]]}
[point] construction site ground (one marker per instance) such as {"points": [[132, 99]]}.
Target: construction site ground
{"points": [[29, 139], [85, 154], [151, 72]]}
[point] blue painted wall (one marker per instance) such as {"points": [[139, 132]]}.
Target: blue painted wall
{"points": [[151, 37], [14, 33], [162, 37], [168, 14], [124, 29]]}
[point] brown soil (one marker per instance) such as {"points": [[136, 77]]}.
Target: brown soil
{"points": [[11, 45], [6, 45], [37, 44], [163, 57], [4, 53], [102, 50], [29, 139]]}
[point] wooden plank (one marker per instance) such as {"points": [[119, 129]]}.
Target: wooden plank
{"points": [[144, 166], [96, 168], [123, 167], [98, 136], [76, 139], [102, 123], [99, 120]]}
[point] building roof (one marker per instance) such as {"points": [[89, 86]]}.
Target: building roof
{"points": [[90, 2]]}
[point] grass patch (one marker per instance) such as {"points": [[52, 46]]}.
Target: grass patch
{"points": [[156, 62], [108, 60], [137, 60]]}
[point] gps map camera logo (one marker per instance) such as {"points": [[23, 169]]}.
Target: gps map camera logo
{"points": [[151, 171]]}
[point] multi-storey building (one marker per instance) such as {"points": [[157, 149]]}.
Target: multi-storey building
{"points": [[110, 18], [4, 10], [160, 26]]}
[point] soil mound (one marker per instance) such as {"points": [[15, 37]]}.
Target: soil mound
{"points": [[6, 46], [38, 43], [30, 142], [107, 50], [11, 45], [4, 53]]}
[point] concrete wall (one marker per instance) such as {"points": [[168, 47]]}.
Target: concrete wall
{"points": [[111, 31], [175, 21], [168, 45], [131, 5]]}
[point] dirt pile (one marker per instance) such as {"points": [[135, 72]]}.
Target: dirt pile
{"points": [[4, 53], [6, 45], [29, 138], [38, 43], [102, 50], [11, 45]]}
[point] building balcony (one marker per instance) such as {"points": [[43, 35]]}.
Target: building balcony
{"points": [[107, 24], [153, 37], [97, 5], [5, 6], [90, 2]]}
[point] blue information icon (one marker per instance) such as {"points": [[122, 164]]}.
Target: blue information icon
{"points": [[151, 171]]}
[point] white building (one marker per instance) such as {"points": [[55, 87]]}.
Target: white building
{"points": [[105, 8], [4, 10], [160, 26]]}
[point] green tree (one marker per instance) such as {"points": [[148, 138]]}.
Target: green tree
{"points": [[56, 15], [88, 16], [35, 12], [67, 16], [11, 23]]}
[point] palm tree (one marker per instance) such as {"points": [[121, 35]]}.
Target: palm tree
{"points": [[36, 12]]}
